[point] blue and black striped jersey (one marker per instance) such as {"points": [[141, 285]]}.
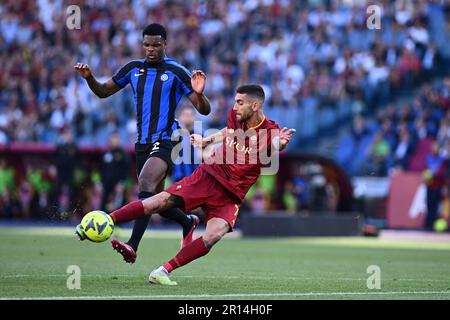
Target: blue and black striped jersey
{"points": [[157, 90]]}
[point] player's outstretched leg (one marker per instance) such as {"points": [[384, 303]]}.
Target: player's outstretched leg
{"points": [[128, 252], [128, 249], [151, 177], [138, 209], [216, 228]]}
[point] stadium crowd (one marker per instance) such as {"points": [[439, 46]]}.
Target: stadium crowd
{"points": [[401, 136], [297, 50], [413, 136], [304, 53]]}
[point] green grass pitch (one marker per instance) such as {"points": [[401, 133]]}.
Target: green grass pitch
{"points": [[34, 264]]}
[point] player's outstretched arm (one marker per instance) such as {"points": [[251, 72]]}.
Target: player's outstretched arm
{"points": [[101, 90], [198, 141], [198, 98]]}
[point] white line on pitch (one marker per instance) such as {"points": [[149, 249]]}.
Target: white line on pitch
{"points": [[215, 277], [231, 295]]}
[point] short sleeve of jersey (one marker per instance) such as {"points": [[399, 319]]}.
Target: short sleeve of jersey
{"points": [[185, 81], [122, 76]]}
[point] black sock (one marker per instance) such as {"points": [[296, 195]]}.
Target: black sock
{"points": [[180, 217], [140, 225]]}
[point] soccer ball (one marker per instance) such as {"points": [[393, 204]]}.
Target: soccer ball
{"points": [[440, 225], [97, 226]]}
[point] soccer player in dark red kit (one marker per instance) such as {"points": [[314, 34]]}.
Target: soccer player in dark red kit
{"points": [[218, 187]]}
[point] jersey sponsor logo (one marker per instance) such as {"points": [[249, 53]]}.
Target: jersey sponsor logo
{"points": [[240, 148]]}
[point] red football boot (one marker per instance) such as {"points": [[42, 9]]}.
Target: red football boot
{"points": [[127, 252], [190, 236]]}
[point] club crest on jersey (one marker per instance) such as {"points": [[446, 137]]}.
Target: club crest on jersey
{"points": [[164, 77]]}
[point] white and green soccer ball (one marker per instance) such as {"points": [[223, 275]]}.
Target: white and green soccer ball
{"points": [[97, 226]]}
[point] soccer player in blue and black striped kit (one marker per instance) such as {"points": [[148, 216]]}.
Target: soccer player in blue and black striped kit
{"points": [[158, 84]]}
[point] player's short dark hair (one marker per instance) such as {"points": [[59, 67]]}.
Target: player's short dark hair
{"points": [[155, 29], [254, 90]]}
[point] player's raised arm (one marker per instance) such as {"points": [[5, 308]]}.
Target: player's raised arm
{"points": [[198, 141], [198, 98], [101, 90]]}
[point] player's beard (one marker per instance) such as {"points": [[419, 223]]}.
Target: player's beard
{"points": [[244, 117]]}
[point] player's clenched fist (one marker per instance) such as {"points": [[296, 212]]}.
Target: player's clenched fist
{"points": [[83, 69]]}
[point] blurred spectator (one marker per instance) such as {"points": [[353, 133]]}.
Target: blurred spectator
{"points": [[190, 157], [10, 204], [36, 192], [301, 191], [434, 177], [259, 201], [7, 176], [320, 194], [377, 157], [444, 207], [353, 146], [65, 161], [444, 131], [289, 198], [8, 197], [403, 151]]}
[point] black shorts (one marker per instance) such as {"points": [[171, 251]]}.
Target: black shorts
{"points": [[160, 149]]}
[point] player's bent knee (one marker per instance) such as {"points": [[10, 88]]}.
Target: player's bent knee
{"points": [[212, 238]]}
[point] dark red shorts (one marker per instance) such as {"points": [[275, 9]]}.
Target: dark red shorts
{"points": [[200, 189]]}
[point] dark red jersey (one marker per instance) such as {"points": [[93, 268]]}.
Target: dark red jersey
{"points": [[237, 164]]}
